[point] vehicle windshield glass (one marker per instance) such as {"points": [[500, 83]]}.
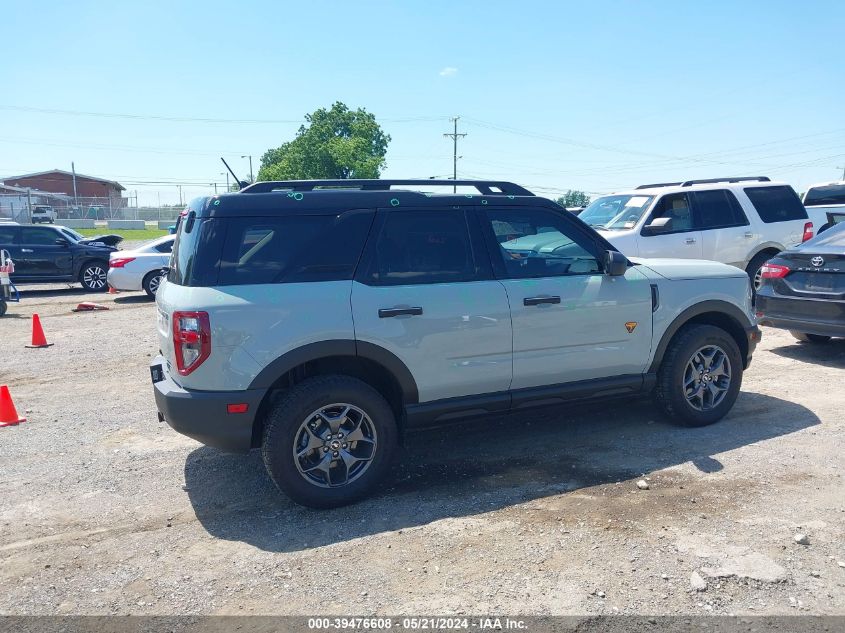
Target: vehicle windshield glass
{"points": [[616, 212], [71, 235], [827, 195]]}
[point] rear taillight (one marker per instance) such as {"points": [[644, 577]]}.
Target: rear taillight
{"points": [[120, 262], [191, 340], [774, 271], [808, 232]]}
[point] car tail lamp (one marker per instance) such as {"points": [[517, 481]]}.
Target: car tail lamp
{"points": [[191, 340], [774, 271], [808, 232], [120, 262]]}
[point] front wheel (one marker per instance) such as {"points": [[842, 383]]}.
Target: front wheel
{"points": [[329, 441], [810, 338], [93, 277], [699, 379], [151, 283]]}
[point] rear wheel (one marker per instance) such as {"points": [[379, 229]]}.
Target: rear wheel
{"points": [[93, 276], [151, 283], [699, 379], [810, 338], [329, 441], [754, 270], [3, 307]]}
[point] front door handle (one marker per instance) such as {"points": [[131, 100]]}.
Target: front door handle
{"points": [[535, 301], [386, 313], [690, 240], [27, 250]]}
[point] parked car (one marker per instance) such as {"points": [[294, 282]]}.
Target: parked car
{"points": [[826, 202], [43, 214], [51, 254], [110, 239], [738, 221], [140, 268], [319, 325], [803, 288]]}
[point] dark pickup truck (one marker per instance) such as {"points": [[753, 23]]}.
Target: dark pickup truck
{"points": [[51, 254]]}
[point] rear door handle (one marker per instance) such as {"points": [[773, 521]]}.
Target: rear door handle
{"points": [[386, 313], [749, 235], [535, 301], [690, 240], [27, 250]]}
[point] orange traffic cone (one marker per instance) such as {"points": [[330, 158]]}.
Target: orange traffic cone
{"points": [[8, 415], [113, 291], [38, 338]]}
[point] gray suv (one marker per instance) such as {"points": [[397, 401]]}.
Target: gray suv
{"points": [[320, 320]]}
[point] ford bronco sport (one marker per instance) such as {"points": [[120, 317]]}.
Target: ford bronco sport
{"points": [[319, 320]]}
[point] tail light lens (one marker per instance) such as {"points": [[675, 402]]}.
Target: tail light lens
{"points": [[808, 232], [774, 271], [191, 340], [120, 262]]}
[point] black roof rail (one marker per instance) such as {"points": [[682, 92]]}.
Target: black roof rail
{"points": [[660, 184], [708, 181], [484, 187]]}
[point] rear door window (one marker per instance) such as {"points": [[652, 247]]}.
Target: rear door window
{"points": [[718, 208], [8, 235], [422, 247], [776, 204]]}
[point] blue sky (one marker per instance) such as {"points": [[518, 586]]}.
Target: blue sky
{"points": [[596, 95]]}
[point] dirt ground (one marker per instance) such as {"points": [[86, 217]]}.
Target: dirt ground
{"points": [[104, 510]]}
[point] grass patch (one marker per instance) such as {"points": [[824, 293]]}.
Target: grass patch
{"points": [[127, 234]]}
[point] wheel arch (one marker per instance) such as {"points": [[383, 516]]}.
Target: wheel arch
{"points": [[370, 363], [768, 247], [721, 314]]}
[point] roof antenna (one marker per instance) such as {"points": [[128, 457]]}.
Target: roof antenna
{"points": [[241, 183]]}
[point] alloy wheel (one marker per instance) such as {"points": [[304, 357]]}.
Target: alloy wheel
{"points": [[707, 378], [94, 278]]}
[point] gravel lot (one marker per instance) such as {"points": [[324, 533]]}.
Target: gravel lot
{"points": [[103, 510]]}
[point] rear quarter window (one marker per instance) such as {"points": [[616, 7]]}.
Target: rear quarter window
{"points": [[776, 204]]}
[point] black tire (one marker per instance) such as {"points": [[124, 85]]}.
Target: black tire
{"points": [[669, 393], [150, 283], [3, 307], [818, 339], [93, 276], [284, 427], [754, 267]]}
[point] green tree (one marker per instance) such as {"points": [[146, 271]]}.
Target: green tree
{"points": [[335, 143], [574, 198]]}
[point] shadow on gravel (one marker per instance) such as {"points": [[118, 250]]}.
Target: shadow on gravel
{"points": [[137, 298], [830, 354], [479, 467], [34, 292]]}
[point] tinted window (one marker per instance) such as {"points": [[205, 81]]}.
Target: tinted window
{"points": [[42, 237], [677, 207], [536, 243], [196, 253], [293, 248], [829, 194], [423, 247], [7, 234], [164, 247], [776, 204], [718, 208]]}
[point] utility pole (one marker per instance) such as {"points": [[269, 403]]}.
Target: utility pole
{"points": [[251, 177], [215, 188], [454, 136], [226, 173], [843, 172], [75, 197], [180, 194], [29, 202]]}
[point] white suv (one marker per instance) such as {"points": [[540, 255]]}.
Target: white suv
{"points": [[738, 221]]}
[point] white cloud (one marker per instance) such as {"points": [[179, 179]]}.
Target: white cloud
{"points": [[449, 71]]}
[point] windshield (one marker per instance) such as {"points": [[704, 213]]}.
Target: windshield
{"points": [[827, 195], [616, 212], [72, 235]]}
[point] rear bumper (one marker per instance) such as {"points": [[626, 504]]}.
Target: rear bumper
{"points": [[120, 279], [825, 318], [203, 416]]}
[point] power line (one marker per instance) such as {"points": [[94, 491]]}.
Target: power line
{"points": [[185, 119]]}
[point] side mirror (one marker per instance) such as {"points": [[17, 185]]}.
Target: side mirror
{"points": [[615, 263], [62, 241], [658, 225]]}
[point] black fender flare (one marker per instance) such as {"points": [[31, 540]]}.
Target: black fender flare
{"points": [[340, 347], [711, 305]]}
